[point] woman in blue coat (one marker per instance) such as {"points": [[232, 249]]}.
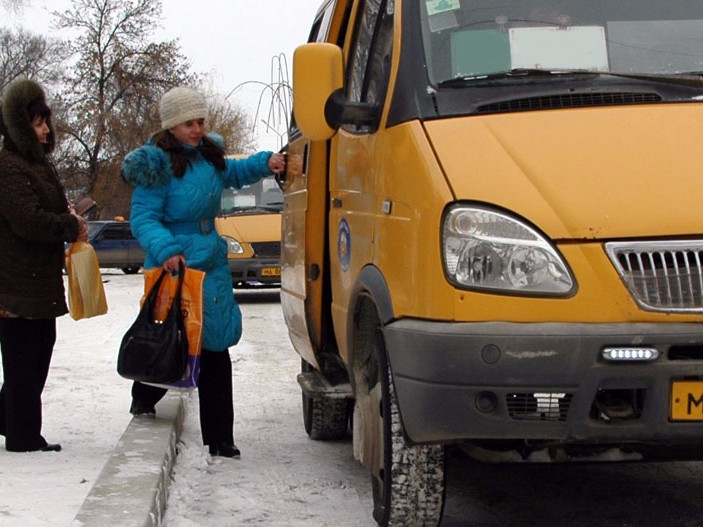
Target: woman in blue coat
{"points": [[179, 176]]}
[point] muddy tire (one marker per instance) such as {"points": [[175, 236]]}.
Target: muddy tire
{"points": [[325, 419], [410, 487]]}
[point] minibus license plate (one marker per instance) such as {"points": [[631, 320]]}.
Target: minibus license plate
{"points": [[686, 401], [270, 271]]}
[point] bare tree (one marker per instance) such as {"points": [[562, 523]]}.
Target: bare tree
{"points": [[112, 75], [14, 6], [26, 55], [111, 89], [232, 123]]}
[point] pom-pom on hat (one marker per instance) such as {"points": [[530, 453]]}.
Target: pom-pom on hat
{"points": [[179, 105]]}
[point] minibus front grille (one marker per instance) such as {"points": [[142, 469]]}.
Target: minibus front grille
{"points": [[541, 406], [661, 276], [574, 100], [267, 249]]}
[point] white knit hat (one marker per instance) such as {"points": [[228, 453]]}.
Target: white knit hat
{"points": [[179, 105]]}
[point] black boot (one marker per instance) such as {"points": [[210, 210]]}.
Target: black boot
{"points": [[49, 447], [224, 450], [143, 411]]}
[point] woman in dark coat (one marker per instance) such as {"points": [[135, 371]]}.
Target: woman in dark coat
{"points": [[35, 221]]}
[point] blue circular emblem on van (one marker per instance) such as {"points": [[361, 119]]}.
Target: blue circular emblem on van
{"points": [[344, 244]]}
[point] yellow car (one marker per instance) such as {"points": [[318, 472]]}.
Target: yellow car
{"points": [[250, 223]]}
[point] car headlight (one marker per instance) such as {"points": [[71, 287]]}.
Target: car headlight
{"points": [[489, 250], [233, 246]]}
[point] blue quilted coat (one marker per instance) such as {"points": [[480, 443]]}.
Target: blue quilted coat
{"points": [[172, 216]]}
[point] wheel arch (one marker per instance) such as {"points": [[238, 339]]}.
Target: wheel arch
{"points": [[371, 282], [370, 291]]}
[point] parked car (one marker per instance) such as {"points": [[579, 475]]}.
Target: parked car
{"points": [[116, 246]]}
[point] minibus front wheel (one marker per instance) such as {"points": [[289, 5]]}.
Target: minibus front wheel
{"points": [[407, 480]]}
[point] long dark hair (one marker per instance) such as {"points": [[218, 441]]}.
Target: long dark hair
{"points": [[181, 157]]}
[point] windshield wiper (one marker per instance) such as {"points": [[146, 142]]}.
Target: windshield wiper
{"points": [[692, 79], [253, 208], [517, 73]]}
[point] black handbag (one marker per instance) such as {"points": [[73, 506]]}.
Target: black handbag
{"points": [[155, 351]]}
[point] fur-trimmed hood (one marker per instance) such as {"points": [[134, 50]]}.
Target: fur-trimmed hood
{"points": [[15, 125], [150, 166]]}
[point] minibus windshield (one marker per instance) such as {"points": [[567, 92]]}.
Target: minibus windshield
{"points": [[262, 197], [474, 39]]}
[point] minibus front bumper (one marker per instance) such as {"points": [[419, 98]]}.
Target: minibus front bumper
{"points": [[255, 271], [547, 381]]}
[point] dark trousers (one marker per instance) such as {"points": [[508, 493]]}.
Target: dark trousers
{"points": [[214, 391], [27, 346]]}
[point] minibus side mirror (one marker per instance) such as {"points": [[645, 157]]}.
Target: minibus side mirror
{"points": [[339, 111], [317, 74], [318, 93]]}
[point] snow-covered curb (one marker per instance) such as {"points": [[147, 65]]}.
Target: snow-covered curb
{"points": [[132, 488]]}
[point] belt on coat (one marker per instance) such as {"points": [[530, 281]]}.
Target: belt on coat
{"points": [[204, 226]]}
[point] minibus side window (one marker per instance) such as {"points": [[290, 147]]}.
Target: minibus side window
{"points": [[321, 26], [369, 62]]}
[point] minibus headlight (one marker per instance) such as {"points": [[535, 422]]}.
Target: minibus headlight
{"points": [[489, 250], [233, 246]]}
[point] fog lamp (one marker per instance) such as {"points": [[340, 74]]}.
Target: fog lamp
{"points": [[624, 354]]}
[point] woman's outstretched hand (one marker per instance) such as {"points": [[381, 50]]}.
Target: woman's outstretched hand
{"points": [[277, 163]]}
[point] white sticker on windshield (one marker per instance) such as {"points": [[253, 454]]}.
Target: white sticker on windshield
{"points": [[555, 48], [435, 7]]}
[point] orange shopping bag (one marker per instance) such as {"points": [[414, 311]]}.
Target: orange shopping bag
{"points": [[192, 312], [86, 295]]}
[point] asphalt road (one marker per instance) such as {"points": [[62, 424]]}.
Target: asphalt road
{"points": [[573, 495]]}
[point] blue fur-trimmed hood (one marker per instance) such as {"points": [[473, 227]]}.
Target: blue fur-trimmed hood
{"points": [[150, 166]]}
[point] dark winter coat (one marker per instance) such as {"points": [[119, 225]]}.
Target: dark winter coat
{"points": [[34, 213], [172, 215]]}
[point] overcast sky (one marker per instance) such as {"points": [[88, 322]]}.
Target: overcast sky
{"points": [[234, 41]]}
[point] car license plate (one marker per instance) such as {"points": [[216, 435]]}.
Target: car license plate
{"points": [[686, 401], [270, 271]]}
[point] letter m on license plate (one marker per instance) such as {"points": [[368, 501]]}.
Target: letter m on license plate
{"points": [[686, 401]]}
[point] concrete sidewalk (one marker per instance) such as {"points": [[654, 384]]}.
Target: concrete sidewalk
{"points": [[132, 488]]}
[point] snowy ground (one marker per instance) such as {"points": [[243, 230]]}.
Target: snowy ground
{"points": [[85, 409], [283, 478]]}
